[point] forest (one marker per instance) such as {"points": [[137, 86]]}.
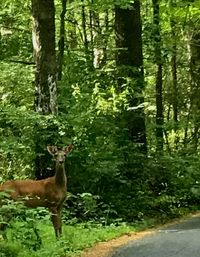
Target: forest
{"points": [[120, 81]]}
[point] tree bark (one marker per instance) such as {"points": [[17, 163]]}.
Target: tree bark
{"points": [[174, 71], [72, 39], [84, 28], [106, 36], [99, 37], [129, 59], [43, 12], [195, 77], [61, 43], [159, 80]]}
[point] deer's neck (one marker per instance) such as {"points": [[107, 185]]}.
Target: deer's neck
{"points": [[60, 176]]}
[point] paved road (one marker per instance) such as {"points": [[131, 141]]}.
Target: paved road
{"points": [[180, 240]]}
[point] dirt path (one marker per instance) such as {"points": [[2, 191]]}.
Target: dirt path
{"points": [[105, 249]]}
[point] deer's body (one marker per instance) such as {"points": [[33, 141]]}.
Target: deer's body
{"points": [[50, 192], [43, 192]]}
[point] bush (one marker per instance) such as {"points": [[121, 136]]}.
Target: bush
{"points": [[22, 223], [9, 250]]}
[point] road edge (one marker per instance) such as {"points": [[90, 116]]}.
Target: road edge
{"points": [[106, 249]]}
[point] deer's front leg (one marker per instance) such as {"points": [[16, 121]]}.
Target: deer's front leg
{"points": [[56, 220]]}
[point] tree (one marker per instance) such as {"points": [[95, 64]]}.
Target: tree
{"points": [[45, 56], [159, 79], [61, 43], [45, 76], [195, 79], [174, 70], [129, 60]]}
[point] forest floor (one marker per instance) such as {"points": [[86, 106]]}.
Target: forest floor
{"points": [[106, 249]]}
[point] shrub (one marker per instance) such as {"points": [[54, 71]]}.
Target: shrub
{"points": [[9, 250]]}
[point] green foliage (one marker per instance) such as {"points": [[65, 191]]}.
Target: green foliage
{"points": [[22, 222], [14, 92], [86, 207], [15, 30], [9, 250], [109, 179]]}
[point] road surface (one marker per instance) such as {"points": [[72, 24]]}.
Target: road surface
{"points": [[179, 240]]}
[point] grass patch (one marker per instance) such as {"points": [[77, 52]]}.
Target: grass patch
{"points": [[75, 238]]}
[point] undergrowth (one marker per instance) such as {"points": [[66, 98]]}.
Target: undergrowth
{"points": [[75, 238]]}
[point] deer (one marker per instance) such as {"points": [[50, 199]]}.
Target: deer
{"points": [[49, 193]]}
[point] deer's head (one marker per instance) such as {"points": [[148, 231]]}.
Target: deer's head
{"points": [[59, 155]]}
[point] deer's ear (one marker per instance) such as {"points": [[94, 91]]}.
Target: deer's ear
{"points": [[52, 149], [68, 148]]}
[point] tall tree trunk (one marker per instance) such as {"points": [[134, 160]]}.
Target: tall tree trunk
{"points": [[72, 41], [174, 78], [0, 46], [84, 28], [92, 34], [174, 71], [106, 35], [99, 37], [43, 13], [195, 88], [86, 42], [129, 59], [61, 43], [45, 56], [159, 80]]}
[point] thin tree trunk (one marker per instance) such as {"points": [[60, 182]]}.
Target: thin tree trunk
{"points": [[175, 95], [85, 37], [159, 108], [71, 31], [186, 139], [174, 73], [168, 112], [61, 43], [97, 36], [92, 35], [195, 80], [106, 35], [0, 45], [167, 141], [174, 80], [159, 81]]}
